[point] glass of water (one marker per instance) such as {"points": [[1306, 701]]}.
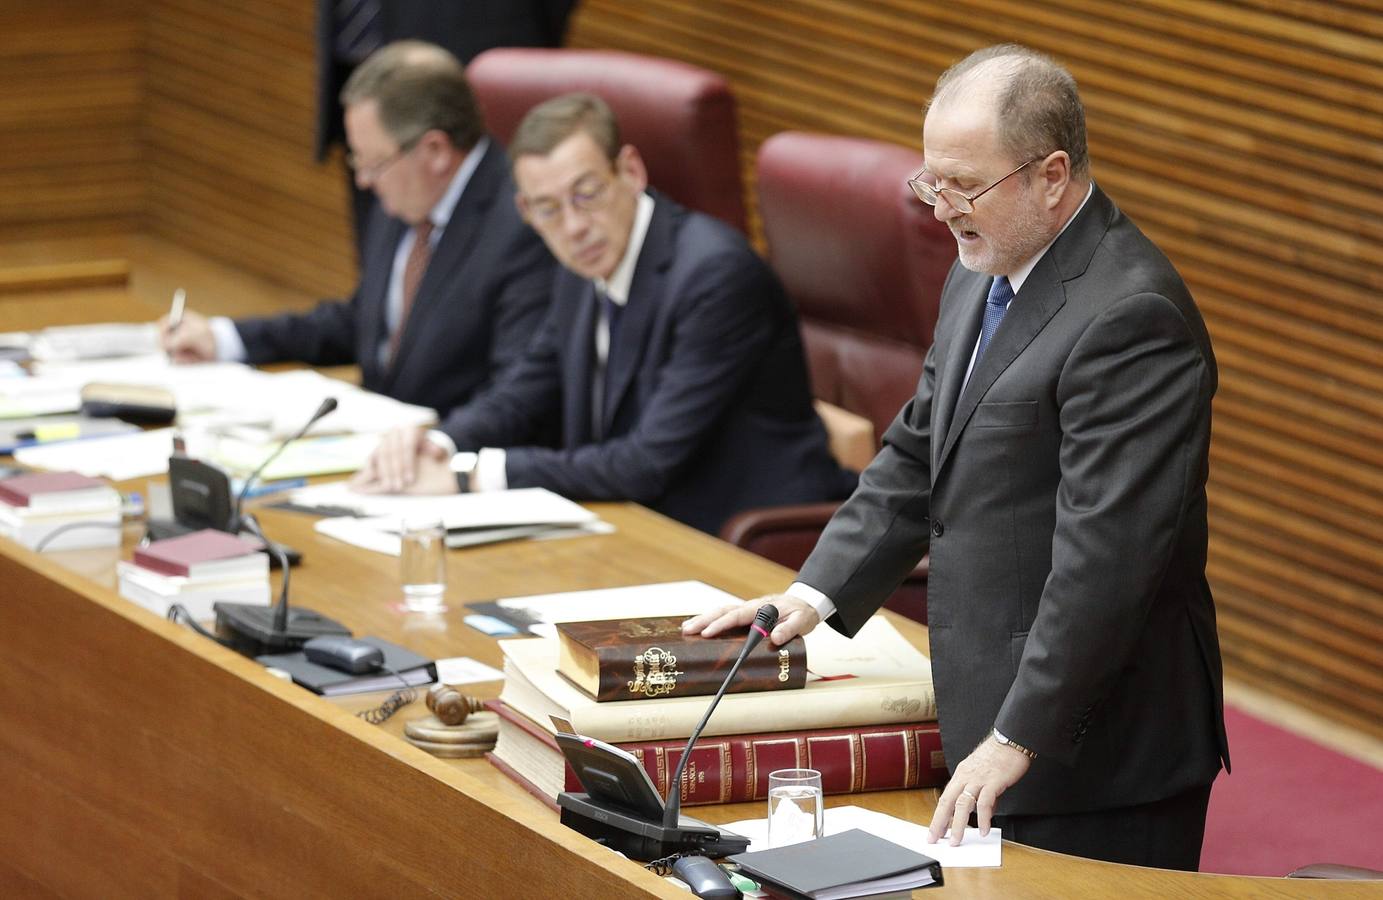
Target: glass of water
{"points": [[795, 808], [423, 564]]}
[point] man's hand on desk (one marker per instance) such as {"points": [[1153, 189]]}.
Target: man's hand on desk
{"points": [[794, 617], [989, 770], [190, 341], [406, 462]]}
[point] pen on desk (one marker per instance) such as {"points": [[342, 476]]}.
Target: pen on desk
{"points": [[175, 311]]}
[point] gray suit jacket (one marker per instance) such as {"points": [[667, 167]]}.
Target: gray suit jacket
{"points": [[1062, 495]]}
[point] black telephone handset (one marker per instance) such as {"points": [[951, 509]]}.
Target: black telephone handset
{"points": [[343, 653]]}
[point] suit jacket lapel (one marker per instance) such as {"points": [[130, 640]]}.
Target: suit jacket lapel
{"points": [[971, 288], [373, 291], [453, 248], [641, 311]]}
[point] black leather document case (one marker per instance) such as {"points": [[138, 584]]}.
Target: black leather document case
{"points": [[853, 863]]}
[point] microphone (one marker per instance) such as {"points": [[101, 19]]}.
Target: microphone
{"points": [[762, 625], [255, 630], [328, 405]]}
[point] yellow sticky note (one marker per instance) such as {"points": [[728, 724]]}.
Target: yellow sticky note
{"points": [[65, 431]]}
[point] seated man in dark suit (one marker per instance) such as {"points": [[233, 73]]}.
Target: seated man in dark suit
{"points": [[670, 356], [454, 284]]}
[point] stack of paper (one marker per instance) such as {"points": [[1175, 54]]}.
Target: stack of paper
{"points": [[94, 341]]}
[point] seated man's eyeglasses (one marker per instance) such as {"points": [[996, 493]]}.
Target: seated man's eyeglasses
{"points": [[961, 203], [373, 170], [590, 194]]}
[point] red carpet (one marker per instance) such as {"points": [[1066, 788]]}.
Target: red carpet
{"points": [[1288, 803]]}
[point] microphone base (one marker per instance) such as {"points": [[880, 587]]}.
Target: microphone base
{"points": [[250, 629], [640, 839]]}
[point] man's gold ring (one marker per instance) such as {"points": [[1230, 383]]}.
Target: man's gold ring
{"points": [[966, 793]]}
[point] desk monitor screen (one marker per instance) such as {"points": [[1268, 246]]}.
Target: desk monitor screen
{"points": [[201, 494], [612, 776]]}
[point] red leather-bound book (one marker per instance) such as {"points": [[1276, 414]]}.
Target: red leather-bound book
{"points": [[54, 491], [734, 768], [203, 553]]}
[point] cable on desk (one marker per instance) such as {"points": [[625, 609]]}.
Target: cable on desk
{"points": [[179, 613], [72, 526], [395, 702]]}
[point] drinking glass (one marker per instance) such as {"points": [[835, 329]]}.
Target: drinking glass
{"points": [[795, 808], [423, 564]]}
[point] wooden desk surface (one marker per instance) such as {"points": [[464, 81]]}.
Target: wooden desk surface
{"points": [[139, 759]]}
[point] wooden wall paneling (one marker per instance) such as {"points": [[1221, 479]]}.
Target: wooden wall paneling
{"points": [[230, 122], [69, 118], [1246, 139]]}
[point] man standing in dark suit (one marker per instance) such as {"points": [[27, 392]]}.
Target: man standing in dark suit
{"points": [[348, 31], [670, 357], [454, 283], [1054, 460]]}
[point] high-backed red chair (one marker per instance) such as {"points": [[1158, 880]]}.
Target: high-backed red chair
{"points": [[864, 261], [680, 117]]}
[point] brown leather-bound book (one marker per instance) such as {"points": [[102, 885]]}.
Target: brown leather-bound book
{"points": [[648, 659], [734, 768]]}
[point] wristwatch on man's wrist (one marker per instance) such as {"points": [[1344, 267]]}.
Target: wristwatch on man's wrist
{"points": [[999, 738]]}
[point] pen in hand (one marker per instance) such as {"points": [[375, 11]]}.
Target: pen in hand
{"points": [[175, 311]]}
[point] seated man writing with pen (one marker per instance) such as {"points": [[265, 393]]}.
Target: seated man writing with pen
{"points": [[453, 284], [670, 356]]}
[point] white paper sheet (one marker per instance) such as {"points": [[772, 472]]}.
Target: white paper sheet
{"points": [[118, 457], [464, 670], [525, 506]]}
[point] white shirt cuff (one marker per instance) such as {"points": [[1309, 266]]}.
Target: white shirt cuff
{"points": [[490, 474], [229, 346], [813, 598]]}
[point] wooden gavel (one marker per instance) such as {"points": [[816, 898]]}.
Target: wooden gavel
{"points": [[450, 706]]}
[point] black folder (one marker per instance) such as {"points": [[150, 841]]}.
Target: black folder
{"points": [[853, 863], [414, 670]]}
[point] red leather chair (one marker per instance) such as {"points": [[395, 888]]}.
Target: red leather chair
{"points": [[680, 117], [864, 261]]}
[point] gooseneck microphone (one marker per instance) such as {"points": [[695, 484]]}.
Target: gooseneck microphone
{"points": [[252, 629], [763, 623], [328, 406]]}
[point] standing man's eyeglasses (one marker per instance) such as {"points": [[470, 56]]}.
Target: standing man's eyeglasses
{"points": [[928, 193]]}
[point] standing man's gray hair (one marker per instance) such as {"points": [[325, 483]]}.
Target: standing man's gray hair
{"points": [[1038, 105]]}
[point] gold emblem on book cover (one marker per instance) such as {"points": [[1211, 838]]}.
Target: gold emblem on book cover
{"points": [[655, 673]]}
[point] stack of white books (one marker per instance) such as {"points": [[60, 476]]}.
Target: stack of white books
{"points": [[59, 511], [196, 570]]}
